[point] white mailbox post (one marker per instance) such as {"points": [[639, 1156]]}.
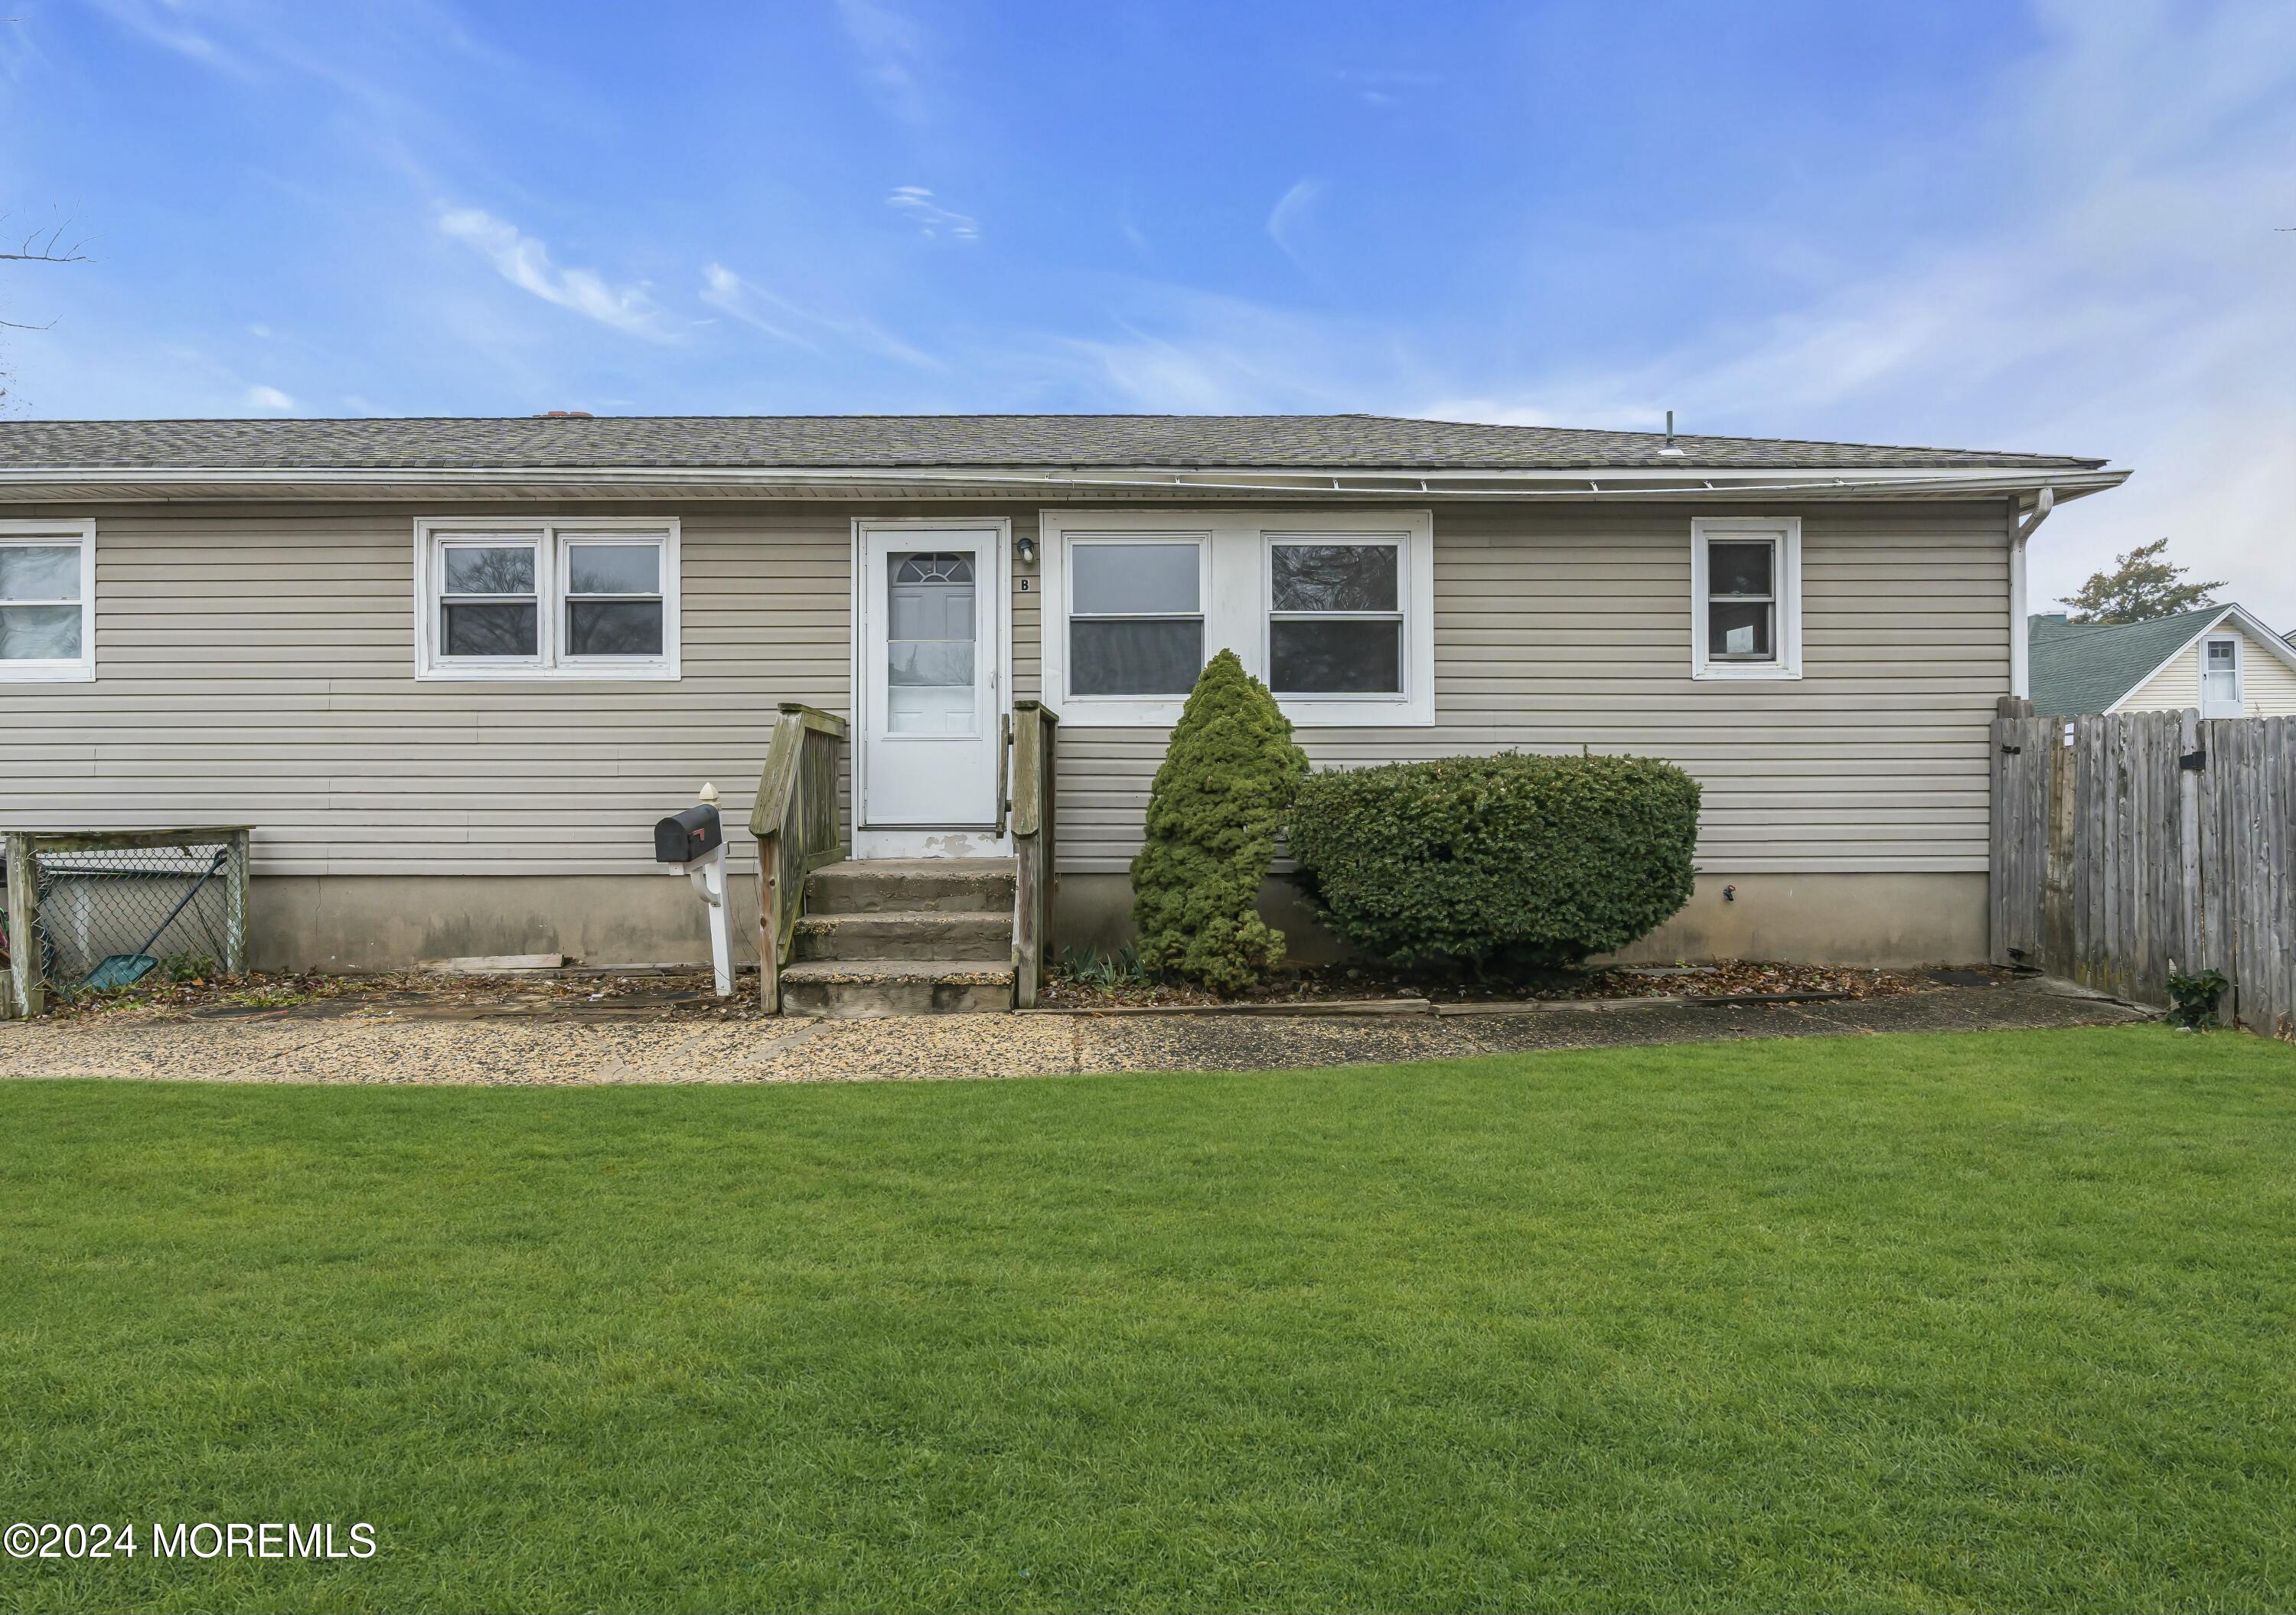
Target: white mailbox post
{"points": [[695, 841]]}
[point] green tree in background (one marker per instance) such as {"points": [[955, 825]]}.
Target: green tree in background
{"points": [[2141, 587], [1214, 813]]}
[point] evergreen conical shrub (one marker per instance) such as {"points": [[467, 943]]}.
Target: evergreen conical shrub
{"points": [[1214, 813]]}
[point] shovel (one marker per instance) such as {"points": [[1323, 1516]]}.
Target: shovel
{"points": [[125, 970]]}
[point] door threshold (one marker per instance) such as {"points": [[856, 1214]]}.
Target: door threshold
{"points": [[976, 841]]}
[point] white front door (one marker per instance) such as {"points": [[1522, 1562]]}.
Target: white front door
{"points": [[931, 652]]}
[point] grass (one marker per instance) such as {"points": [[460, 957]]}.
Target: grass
{"points": [[1894, 1323]]}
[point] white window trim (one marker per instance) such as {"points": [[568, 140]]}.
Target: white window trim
{"points": [[551, 535], [2237, 706], [1785, 584], [1237, 593], [79, 670]]}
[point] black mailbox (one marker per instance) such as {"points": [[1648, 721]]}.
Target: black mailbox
{"points": [[683, 837]]}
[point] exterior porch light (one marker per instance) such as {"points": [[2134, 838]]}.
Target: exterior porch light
{"points": [[1025, 547]]}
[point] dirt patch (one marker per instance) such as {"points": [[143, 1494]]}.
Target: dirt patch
{"points": [[648, 994]]}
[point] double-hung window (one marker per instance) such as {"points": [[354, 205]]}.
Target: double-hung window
{"points": [[1746, 575], [1135, 610], [1335, 615], [2220, 690], [590, 599], [1333, 610], [47, 600]]}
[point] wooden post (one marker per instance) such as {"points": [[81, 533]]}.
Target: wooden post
{"points": [[23, 927], [235, 917], [2192, 938], [2057, 890], [769, 930]]}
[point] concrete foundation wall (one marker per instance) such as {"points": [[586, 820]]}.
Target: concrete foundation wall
{"points": [[1811, 919], [368, 923]]}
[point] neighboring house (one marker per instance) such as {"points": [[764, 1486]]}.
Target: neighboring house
{"points": [[454, 670], [2219, 659]]}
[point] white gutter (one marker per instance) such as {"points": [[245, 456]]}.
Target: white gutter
{"points": [[2021, 626], [735, 481]]}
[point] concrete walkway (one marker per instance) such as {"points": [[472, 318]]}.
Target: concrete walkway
{"points": [[530, 1051]]}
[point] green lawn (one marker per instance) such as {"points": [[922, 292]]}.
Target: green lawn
{"points": [[1986, 1321]]}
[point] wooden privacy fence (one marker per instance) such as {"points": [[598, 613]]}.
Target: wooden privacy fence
{"points": [[2131, 846]]}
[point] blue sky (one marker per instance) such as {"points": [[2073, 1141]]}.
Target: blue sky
{"points": [[2060, 227]]}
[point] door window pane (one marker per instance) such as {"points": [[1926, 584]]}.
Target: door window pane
{"points": [[491, 630], [1738, 630], [41, 633], [1333, 577], [1136, 656], [613, 628], [39, 571], [613, 569], [1138, 579], [1740, 568], [930, 639], [1335, 656], [489, 570]]}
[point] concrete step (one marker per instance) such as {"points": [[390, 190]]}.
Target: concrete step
{"points": [[912, 885], [907, 934], [847, 989]]}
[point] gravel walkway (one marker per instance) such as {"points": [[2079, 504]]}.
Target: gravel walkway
{"points": [[531, 1051]]}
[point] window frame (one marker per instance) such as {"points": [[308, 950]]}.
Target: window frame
{"points": [[1784, 535], [32, 532], [2237, 706], [553, 538], [1113, 705], [1270, 541]]}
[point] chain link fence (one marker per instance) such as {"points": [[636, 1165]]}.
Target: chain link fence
{"points": [[98, 911]]}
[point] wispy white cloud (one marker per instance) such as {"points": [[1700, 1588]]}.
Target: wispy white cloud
{"points": [[918, 204], [260, 396], [1289, 217], [751, 304], [525, 263], [171, 25], [1385, 87], [892, 50]]}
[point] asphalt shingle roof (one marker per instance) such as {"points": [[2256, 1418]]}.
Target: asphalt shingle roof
{"points": [[1307, 442], [2079, 667]]}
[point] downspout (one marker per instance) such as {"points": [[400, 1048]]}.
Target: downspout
{"points": [[2020, 634]]}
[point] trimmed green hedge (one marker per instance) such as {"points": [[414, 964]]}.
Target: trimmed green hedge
{"points": [[1214, 813], [1510, 859]]}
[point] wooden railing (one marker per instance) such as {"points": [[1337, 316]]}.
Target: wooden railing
{"points": [[798, 832], [1031, 800]]}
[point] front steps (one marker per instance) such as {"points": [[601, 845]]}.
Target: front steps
{"points": [[904, 937]]}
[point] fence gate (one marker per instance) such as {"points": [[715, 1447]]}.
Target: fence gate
{"points": [[88, 911], [2128, 847]]}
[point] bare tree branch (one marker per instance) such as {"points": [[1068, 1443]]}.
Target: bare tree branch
{"points": [[47, 249]]}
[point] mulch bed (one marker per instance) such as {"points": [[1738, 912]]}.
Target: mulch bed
{"points": [[1724, 979]]}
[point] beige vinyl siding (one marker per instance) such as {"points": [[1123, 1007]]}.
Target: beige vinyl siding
{"points": [[255, 664], [2267, 685], [1564, 627]]}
